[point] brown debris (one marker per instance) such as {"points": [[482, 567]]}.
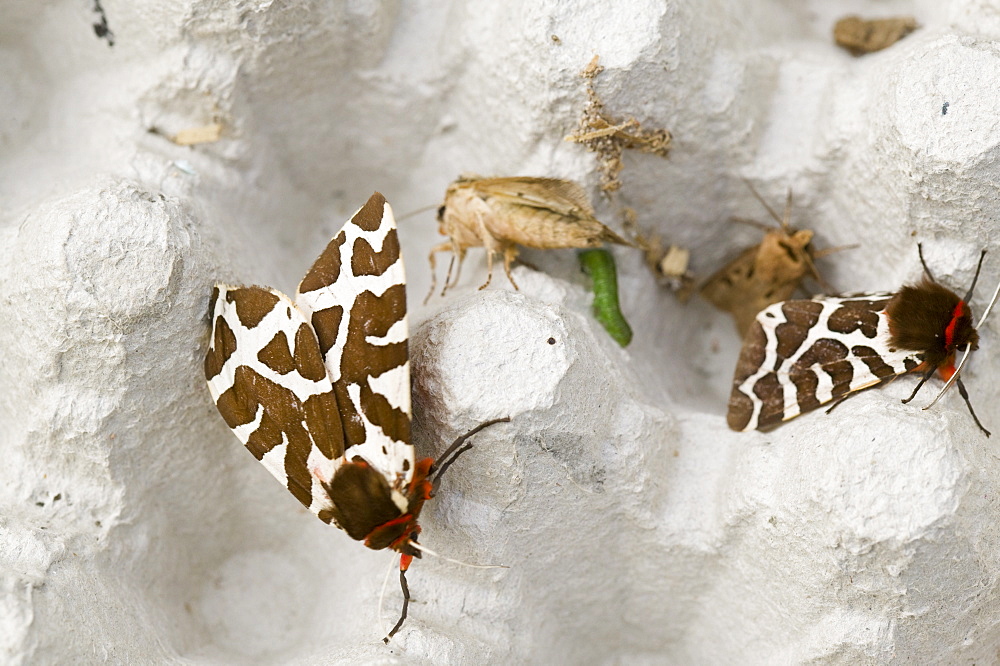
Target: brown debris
{"points": [[860, 36], [670, 264], [608, 137]]}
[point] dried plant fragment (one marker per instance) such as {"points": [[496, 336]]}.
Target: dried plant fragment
{"points": [[197, 135], [670, 264], [609, 137], [766, 273], [501, 213], [860, 36]]}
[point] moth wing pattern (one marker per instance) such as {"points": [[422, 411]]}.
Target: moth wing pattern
{"points": [[266, 375], [354, 296], [801, 354], [559, 196]]}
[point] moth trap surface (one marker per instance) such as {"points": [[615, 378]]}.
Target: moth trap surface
{"points": [[500, 214]]}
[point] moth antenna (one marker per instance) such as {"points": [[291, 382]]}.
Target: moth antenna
{"points": [[406, 605], [418, 211], [819, 254], [457, 448], [752, 223], [975, 278], [786, 218], [989, 308], [764, 203], [424, 549], [927, 271], [824, 285], [952, 379]]}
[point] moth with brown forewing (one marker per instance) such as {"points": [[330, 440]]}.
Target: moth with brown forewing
{"points": [[802, 354], [318, 388], [766, 273], [500, 214]]}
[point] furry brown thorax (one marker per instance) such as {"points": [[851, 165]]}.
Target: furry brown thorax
{"points": [[931, 319]]}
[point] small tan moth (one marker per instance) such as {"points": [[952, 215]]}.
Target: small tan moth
{"points": [[501, 213], [766, 273]]}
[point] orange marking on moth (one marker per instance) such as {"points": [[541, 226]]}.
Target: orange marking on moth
{"points": [[404, 562], [419, 491], [947, 369], [949, 331]]}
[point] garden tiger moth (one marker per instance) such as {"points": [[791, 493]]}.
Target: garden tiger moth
{"points": [[318, 389], [801, 354]]}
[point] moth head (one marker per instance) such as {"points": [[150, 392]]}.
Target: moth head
{"points": [[801, 238], [395, 535], [406, 547]]}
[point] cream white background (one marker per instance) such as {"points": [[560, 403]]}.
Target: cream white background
{"points": [[637, 528]]}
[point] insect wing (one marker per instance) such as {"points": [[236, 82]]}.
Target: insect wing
{"points": [[559, 196], [355, 298], [801, 354], [266, 376]]}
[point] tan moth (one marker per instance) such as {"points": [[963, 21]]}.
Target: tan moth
{"points": [[500, 214], [766, 273], [318, 387]]}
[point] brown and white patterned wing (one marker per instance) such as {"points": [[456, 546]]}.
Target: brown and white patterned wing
{"points": [[801, 354], [355, 298], [266, 374]]}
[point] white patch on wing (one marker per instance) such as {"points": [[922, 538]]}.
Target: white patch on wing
{"points": [[274, 461], [345, 290], [284, 318], [772, 316], [397, 333], [383, 453], [394, 385]]}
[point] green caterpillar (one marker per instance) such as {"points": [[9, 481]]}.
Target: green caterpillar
{"points": [[599, 264]]}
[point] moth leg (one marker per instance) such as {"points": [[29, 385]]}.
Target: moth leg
{"points": [[927, 375], [489, 268], [459, 253], [509, 254], [434, 250], [461, 259], [406, 604], [965, 396]]}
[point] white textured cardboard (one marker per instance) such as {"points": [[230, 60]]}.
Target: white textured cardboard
{"points": [[636, 527]]}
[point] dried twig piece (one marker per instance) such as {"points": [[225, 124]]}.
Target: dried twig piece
{"points": [[609, 137]]}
